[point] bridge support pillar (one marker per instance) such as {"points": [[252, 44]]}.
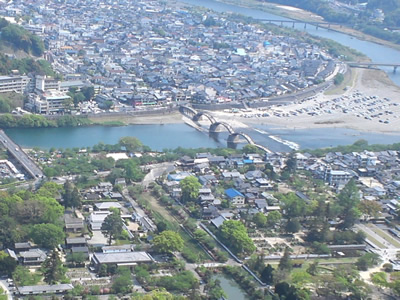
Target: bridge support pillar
{"points": [[293, 25], [394, 69], [233, 139], [316, 27], [215, 128], [305, 25]]}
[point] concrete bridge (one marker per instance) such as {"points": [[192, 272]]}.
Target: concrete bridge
{"points": [[217, 126], [293, 22], [371, 65], [30, 167]]}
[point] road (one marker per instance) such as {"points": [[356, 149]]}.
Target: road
{"points": [[21, 156], [156, 170], [4, 286]]}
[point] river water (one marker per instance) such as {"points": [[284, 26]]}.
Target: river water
{"points": [[160, 137], [232, 290]]}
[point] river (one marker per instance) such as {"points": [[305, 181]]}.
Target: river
{"points": [[159, 137], [377, 53]]}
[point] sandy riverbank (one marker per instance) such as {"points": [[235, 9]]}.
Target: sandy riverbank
{"points": [[371, 103]]}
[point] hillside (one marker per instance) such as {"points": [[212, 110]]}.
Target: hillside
{"points": [[20, 38]]}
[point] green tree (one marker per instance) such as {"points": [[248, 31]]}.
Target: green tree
{"points": [[347, 203], [379, 279], [274, 218], [190, 188], [285, 263], [366, 261], [159, 294], [7, 264], [167, 242], [234, 234], [131, 144], [370, 208], [267, 275], [122, 284], [52, 268], [112, 225], [76, 259], [47, 235], [260, 219]]}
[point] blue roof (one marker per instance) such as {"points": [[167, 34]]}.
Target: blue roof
{"points": [[231, 193]]}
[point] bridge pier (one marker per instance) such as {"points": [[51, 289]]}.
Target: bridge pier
{"points": [[233, 139], [293, 25], [215, 128], [305, 25], [394, 69]]}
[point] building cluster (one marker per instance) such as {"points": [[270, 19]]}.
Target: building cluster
{"points": [[248, 186], [9, 171], [142, 53]]}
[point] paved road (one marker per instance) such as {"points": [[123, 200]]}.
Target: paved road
{"points": [[21, 156], [4, 286], [156, 171]]}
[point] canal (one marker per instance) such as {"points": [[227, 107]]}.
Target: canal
{"points": [[231, 288]]}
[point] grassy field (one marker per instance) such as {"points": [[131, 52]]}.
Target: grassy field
{"points": [[160, 213]]}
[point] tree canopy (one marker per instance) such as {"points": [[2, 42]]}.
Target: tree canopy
{"points": [[112, 225], [168, 241], [190, 188], [234, 234]]}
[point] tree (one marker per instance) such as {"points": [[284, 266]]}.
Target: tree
{"points": [[161, 226], [7, 264], [370, 208], [214, 290], [313, 268], [267, 275], [292, 226], [52, 268], [273, 218], [123, 283], [190, 188], [168, 241], [379, 279], [131, 144], [112, 225], [347, 203], [88, 92], [159, 294], [77, 259], [285, 262], [47, 235], [300, 277], [234, 234], [368, 260], [260, 219]]}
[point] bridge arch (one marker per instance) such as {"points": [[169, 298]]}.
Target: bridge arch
{"points": [[186, 110], [233, 138], [197, 117], [216, 125]]}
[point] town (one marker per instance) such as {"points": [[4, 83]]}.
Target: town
{"points": [[153, 55], [186, 216]]}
